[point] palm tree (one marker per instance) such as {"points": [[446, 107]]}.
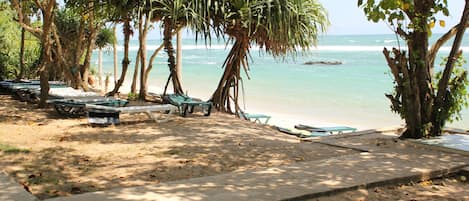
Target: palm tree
{"points": [[278, 27], [174, 15], [104, 39], [122, 11]]}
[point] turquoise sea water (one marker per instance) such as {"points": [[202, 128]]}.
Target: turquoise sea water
{"points": [[349, 94]]}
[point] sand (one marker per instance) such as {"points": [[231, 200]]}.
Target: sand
{"points": [[67, 156], [443, 189], [52, 156]]}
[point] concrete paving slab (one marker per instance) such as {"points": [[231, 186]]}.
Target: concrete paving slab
{"points": [[300, 180], [12, 191], [455, 141]]}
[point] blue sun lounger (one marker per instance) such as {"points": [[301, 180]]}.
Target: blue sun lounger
{"points": [[294, 132], [303, 133], [257, 118], [330, 129]]}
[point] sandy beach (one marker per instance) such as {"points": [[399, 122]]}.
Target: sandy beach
{"points": [[52, 156], [67, 156]]}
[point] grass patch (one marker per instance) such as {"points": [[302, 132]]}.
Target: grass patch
{"points": [[8, 149]]}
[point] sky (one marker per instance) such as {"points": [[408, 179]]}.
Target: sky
{"points": [[348, 19]]}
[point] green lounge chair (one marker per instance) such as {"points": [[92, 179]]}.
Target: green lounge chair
{"points": [[257, 118], [186, 104], [301, 133], [294, 132], [330, 130]]}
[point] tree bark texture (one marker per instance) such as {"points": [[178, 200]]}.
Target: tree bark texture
{"points": [[440, 112], [227, 92], [47, 9], [179, 55], [144, 22], [133, 86], [168, 46], [125, 60]]}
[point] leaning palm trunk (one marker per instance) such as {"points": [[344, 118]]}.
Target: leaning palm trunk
{"points": [[125, 61], [168, 46], [150, 63], [133, 86], [226, 93], [144, 23]]}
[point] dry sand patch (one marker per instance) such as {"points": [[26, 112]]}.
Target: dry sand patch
{"points": [[66, 156]]}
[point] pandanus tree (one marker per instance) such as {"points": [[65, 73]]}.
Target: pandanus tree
{"points": [[175, 14], [426, 101], [278, 27]]}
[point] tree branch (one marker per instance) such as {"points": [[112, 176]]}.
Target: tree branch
{"points": [[453, 55], [37, 32], [440, 42]]}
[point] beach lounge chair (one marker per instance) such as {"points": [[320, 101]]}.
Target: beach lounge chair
{"points": [[257, 118], [186, 104], [60, 93], [77, 107], [330, 130], [25, 92], [105, 115], [294, 132], [302, 133]]}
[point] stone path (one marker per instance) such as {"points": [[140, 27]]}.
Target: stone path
{"points": [[12, 191]]}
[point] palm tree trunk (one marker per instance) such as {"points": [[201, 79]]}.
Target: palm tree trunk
{"points": [[143, 30], [114, 48], [150, 63], [179, 55], [167, 37], [133, 87], [100, 67], [125, 60]]}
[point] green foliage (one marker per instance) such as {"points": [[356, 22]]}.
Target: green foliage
{"points": [[8, 149], [132, 96], [105, 38], [10, 39], [93, 70], [400, 14], [457, 97], [68, 24]]}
